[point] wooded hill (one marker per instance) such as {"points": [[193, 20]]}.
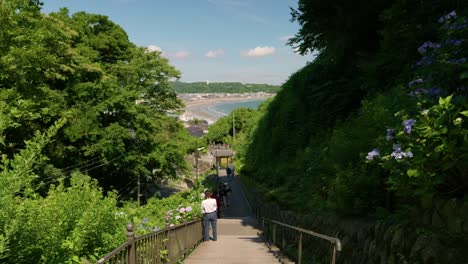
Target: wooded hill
{"points": [[223, 87]]}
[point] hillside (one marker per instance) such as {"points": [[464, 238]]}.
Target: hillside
{"points": [[224, 87]]}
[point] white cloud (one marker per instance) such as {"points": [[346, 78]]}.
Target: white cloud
{"points": [[182, 54], [215, 53], [259, 52], [153, 48]]}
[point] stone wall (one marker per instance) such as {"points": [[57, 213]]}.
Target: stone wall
{"points": [[437, 234]]}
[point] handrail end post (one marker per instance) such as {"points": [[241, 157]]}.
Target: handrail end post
{"points": [[131, 240]]}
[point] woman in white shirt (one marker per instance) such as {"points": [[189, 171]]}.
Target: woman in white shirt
{"points": [[209, 207]]}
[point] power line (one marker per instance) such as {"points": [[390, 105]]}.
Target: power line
{"points": [[101, 162], [128, 189], [84, 162]]}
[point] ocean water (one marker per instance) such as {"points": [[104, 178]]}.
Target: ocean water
{"points": [[224, 109]]}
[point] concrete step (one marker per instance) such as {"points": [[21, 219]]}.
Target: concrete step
{"points": [[232, 249], [237, 226]]}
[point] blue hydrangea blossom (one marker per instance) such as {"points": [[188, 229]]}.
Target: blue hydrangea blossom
{"points": [[408, 125], [374, 153]]}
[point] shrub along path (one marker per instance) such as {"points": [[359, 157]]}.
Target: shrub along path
{"points": [[238, 241]]}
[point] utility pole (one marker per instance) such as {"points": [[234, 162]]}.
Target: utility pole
{"points": [[138, 198], [197, 155], [233, 127]]}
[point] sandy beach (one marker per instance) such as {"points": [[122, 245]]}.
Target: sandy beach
{"points": [[200, 106]]}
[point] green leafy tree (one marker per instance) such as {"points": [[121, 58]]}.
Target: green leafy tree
{"points": [[115, 94]]}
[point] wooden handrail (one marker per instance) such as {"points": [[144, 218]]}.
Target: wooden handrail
{"points": [[335, 242], [174, 241], [258, 207]]}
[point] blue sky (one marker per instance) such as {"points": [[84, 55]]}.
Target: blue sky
{"points": [[215, 40]]}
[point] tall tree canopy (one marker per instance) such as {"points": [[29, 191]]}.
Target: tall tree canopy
{"points": [[115, 96]]}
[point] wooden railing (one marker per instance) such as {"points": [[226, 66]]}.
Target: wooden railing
{"points": [[287, 236], [168, 245], [272, 234]]}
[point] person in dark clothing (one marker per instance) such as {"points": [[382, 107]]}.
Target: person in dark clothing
{"points": [[218, 202], [227, 194], [222, 194]]}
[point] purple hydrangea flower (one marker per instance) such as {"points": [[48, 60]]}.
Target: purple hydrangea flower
{"points": [[435, 91], [408, 125], [182, 210], [155, 229], [413, 82], [397, 155], [188, 209], [418, 92], [458, 61], [447, 17], [390, 134], [451, 14], [426, 60], [371, 155], [145, 220], [426, 45], [423, 48]]}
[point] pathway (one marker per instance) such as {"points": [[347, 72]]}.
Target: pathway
{"points": [[238, 241]]}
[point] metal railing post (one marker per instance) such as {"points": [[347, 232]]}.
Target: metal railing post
{"points": [[299, 248], [333, 254], [263, 227], [284, 239], [186, 238], [131, 240], [274, 233]]}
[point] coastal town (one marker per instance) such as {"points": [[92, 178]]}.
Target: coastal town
{"points": [[196, 98], [199, 105]]}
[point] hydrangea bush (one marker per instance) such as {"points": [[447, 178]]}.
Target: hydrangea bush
{"points": [[427, 153]]}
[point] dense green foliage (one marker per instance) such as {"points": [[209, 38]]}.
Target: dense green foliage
{"points": [[224, 87], [375, 126], [314, 136], [75, 222], [115, 97], [83, 117], [223, 130]]}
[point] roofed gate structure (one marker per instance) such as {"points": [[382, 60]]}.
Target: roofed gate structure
{"points": [[219, 152]]}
